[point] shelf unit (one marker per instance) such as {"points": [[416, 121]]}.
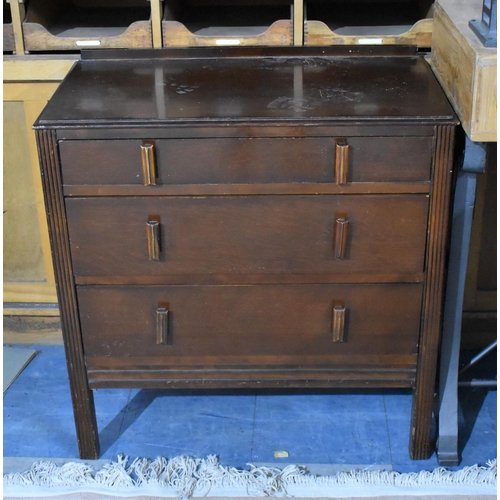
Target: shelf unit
{"points": [[72, 25], [369, 22]]}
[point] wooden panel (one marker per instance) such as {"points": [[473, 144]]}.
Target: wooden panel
{"points": [[298, 22], [249, 189], [175, 34], [436, 255], [30, 291], [156, 16], [235, 279], [39, 67], [481, 281], [465, 69], [34, 309], [484, 114], [275, 324], [23, 253], [18, 12], [248, 131], [318, 33], [82, 397], [247, 235], [25, 330], [30, 98], [487, 269], [241, 161]]}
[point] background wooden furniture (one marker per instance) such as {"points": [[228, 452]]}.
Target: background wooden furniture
{"points": [[69, 25], [465, 68], [368, 22]]}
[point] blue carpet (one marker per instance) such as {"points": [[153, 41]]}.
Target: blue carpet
{"points": [[340, 427]]}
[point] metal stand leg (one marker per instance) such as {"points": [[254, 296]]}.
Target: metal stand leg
{"points": [[463, 208]]}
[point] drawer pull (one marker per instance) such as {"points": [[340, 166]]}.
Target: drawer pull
{"points": [[338, 323], [162, 325], [153, 236], [341, 233], [341, 161], [148, 163]]}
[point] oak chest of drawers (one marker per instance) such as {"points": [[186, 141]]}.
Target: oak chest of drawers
{"points": [[249, 218]]}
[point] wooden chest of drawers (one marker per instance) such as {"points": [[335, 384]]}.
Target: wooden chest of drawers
{"points": [[249, 218]]}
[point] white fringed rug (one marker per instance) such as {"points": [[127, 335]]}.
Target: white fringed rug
{"points": [[186, 477]]}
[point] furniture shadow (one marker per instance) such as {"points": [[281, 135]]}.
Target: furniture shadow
{"points": [[471, 399], [126, 417], [470, 402]]}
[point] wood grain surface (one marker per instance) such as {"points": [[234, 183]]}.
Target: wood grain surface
{"points": [[259, 235], [247, 161]]}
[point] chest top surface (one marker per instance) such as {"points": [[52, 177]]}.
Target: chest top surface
{"points": [[175, 87]]}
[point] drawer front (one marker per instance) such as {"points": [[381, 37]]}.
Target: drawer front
{"points": [[271, 324], [242, 161], [257, 235]]}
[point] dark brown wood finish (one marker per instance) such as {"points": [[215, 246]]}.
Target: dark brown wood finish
{"points": [[83, 400], [250, 189], [289, 233], [259, 235], [262, 279], [244, 161], [421, 444], [204, 130], [297, 90], [289, 322]]}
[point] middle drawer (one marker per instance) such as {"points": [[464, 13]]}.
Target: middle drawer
{"points": [[257, 235]]}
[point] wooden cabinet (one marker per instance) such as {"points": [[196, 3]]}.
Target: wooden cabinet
{"points": [[251, 238], [72, 25], [368, 22]]}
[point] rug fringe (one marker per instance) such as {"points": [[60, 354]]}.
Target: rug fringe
{"points": [[188, 476]]}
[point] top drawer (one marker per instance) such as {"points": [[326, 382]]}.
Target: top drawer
{"points": [[246, 160]]}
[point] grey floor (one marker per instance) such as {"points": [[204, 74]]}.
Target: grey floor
{"points": [[336, 427]]}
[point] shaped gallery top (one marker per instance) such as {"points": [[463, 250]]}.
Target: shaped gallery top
{"points": [[317, 85]]}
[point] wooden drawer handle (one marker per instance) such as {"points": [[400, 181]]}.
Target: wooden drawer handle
{"points": [[148, 163], [153, 237], [162, 326], [341, 160], [341, 233], [338, 323]]}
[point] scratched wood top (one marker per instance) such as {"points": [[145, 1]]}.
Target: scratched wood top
{"points": [[297, 86]]}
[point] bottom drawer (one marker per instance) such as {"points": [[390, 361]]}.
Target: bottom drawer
{"points": [[250, 334]]}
